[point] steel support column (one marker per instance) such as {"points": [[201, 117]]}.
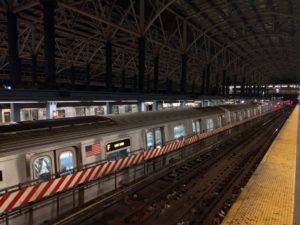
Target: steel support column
{"points": [[108, 74], [250, 89], [15, 112], [203, 82], [208, 79], [109, 108], [217, 84], [254, 89], [148, 82], [154, 105], [87, 75], [135, 82], [183, 73], [156, 71], [141, 68], [227, 85], [123, 80], [50, 109], [224, 82], [73, 77], [141, 107], [193, 86], [13, 52], [170, 86], [243, 87], [33, 68], [182, 104], [234, 84], [49, 41]]}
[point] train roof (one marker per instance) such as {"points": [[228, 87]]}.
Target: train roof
{"points": [[53, 124], [164, 116], [234, 108], [32, 140]]}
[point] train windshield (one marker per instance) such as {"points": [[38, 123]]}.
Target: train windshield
{"points": [[42, 168]]}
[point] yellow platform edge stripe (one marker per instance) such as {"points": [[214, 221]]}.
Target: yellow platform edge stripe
{"points": [[268, 197]]}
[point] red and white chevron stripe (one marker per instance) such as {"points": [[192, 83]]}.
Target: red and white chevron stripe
{"points": [[48, 188]]}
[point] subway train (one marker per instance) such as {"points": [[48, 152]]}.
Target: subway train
{"points": [[40, 150]]}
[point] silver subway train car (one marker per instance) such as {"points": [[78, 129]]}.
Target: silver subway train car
{"points": [[41, 150]]}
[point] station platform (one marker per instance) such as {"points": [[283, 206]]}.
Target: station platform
{"points": [[272, 195]]}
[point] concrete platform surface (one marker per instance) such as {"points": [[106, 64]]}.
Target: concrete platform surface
{"points": [[269, 196]]}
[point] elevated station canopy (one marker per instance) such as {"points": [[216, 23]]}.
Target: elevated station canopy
{"points": [[166, 46]]}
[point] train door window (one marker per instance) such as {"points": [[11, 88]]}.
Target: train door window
{"points": [[150, 140], [210, 124], [158, 137], [42, 167], [179, 131], [196, 126], [66, 161]]}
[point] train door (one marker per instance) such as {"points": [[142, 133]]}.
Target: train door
{"points": [[209, 124], [154, 138], [196, 126]]}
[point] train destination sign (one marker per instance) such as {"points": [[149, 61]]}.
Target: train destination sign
{"points": [[117, 145]]}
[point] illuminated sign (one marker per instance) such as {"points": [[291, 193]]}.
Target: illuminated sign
{"points": [[117, 145]]}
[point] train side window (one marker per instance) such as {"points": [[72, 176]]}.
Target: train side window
{"points": [[210, 124], [179, 131], [66, 161], [158, 138], [1, 177], [150, 140], [42, 167]]}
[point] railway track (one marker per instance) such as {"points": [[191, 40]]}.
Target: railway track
{"points": [[193, 192]]}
